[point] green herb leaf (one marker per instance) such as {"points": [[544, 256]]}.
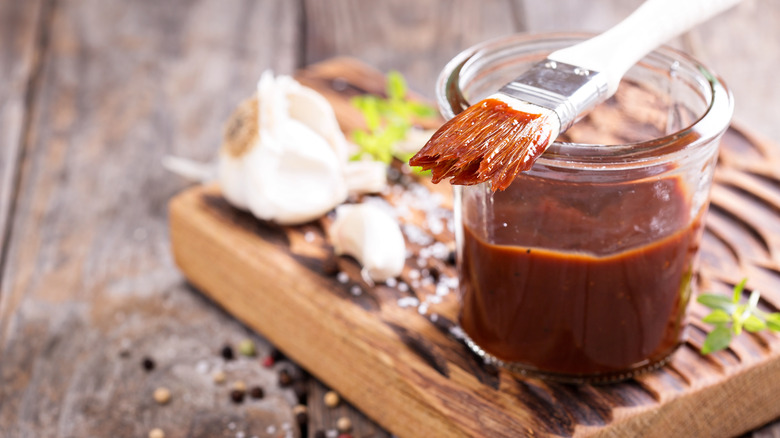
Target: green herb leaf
{"points": [[387, 120], [773, 322], [738, 290], [717, 316], [754, 324], [717, 340], [714, 301], [396, 86], [731, 315]]}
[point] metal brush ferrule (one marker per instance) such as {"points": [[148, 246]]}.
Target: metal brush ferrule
{"points": [[566, 89]]}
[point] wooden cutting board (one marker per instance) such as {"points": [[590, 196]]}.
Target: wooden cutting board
{"points": [[400, 363]]}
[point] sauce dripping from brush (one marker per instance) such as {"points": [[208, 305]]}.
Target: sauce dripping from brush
{"points": [[489, 141]]}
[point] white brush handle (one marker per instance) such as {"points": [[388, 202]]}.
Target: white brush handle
{"points": [[652, 24]]}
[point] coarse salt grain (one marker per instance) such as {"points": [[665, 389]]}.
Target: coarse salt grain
{"points": [[356, 291], [457, 332], [342, 277], [442, 290], [309, 236], [202, 367], [391, 282], [403, 287], [433, 299], [422, 309], [414, 274], [408, 302]]}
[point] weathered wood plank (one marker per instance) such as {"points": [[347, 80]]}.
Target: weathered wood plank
{"points": [[416, 38], [88, 273], [20, 49]]}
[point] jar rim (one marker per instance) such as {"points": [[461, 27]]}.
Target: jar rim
{"points": [[711, 124]]}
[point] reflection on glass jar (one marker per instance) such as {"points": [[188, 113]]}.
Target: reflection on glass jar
{"points": [[582, 269]]}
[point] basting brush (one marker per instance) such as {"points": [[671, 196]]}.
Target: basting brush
{"points": [[503, 134]]}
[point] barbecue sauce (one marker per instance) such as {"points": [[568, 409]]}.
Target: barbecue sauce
{"points": [[615, 303]]}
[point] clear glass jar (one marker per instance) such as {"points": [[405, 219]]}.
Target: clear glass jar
{"points": [[582, 269]]}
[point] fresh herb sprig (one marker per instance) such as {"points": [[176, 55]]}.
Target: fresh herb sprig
{"points": [[388, 120], [730, 316]]}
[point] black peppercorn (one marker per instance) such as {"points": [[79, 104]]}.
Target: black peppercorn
{"points": [[257, 392], [227, 353], [285, 379], [237, 395], [320, 434], [148, 364], [451, 258]]}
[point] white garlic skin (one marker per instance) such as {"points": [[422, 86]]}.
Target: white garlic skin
{"points": [[372, 237], [293, 171]]}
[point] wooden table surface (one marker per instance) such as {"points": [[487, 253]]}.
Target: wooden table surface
{"points": [[93, 93]]}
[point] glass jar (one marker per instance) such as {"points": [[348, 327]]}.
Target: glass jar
{"points": [[581, 270]]}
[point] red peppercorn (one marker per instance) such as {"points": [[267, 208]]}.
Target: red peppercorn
{"points": [[268, 361]]}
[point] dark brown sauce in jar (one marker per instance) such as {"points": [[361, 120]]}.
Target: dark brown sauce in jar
{"points": [[570, 284]]}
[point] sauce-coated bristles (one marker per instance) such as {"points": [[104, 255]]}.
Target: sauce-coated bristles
{"points": [[489, 141]]}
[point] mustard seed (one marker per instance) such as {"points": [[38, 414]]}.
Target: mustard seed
{"points": [[219, 377], [344, 424], [331, 399], [156, 433], [162, 395], [239, 385]]}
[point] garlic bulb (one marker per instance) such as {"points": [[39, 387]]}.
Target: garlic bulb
{"points": [[371, 236], [284, 157]]}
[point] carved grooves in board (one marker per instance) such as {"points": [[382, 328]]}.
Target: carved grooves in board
{"points": [[741, 234]]}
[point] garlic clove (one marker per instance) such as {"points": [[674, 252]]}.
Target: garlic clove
{"points": [[365, 176], [372, 237]]}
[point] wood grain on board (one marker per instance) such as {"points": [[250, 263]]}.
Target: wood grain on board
{"points": [[402, 366]]}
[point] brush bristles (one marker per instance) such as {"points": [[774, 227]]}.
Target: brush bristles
{"points": [[489, 141]]}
